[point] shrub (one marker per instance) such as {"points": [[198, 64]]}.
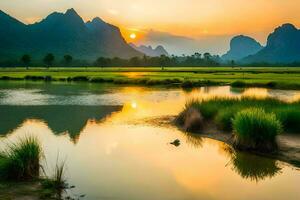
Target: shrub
{"points": [[187, 84], [256, 130], [238, 84], [21, 160]]}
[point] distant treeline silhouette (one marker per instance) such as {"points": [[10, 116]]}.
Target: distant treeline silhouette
{"points": [[50, 60], [195, 60]]}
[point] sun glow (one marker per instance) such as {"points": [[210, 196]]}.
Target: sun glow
{"points": [[132, 36]]}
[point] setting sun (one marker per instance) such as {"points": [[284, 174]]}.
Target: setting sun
{"points": [[132, 35]]}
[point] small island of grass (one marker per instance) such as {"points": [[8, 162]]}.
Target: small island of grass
{"points": [[247, 123]]}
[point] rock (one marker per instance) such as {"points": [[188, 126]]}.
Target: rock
{"points": [[176, 142]]}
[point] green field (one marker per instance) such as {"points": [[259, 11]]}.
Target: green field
{"points": [[277, 77]]}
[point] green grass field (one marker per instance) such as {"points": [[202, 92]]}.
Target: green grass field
{"points": [[284, 77]]}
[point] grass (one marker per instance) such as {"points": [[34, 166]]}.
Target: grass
{"points": [[272, 77], [222, 110], [57, 183], [20, 166], [254, 129], [255, 122], [21, 160]]}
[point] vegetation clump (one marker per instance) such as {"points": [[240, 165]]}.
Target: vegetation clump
{"points": [[221, 110], [254, 129], [21, 160]]}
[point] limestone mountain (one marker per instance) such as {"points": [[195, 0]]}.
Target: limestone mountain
{"points": [[60, 34], [283, 46], [149, 51], [240, 47]]}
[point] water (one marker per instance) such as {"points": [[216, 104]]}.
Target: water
{"points": [[116, 143]]}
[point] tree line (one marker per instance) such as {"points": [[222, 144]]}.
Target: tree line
{"points": [[196, 59]]}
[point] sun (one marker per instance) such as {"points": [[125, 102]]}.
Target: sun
{"points": [[132, 36]]}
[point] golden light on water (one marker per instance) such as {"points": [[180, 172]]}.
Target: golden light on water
{"points": [[134, 105]]}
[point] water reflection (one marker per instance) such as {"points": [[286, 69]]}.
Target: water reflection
{"points": [[60, 119], [253, 167], [248, 166], [124, 150]]}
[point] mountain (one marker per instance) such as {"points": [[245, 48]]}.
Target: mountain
{"points": [[240, 47], [149, 51], [283, 46], [60, 34]]}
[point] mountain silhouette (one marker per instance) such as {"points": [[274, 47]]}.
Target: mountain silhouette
{"points": [[149, 51], [60, 34], [240, 47], [283, 46]]}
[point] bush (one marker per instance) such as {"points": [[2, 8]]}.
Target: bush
{"points": [[238, 84], [21, 160], [256, 130]]}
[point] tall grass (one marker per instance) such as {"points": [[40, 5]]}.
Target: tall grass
{"points": [[58, 180], [255, 129], [222, 110], [21, 160], [57, 183]]}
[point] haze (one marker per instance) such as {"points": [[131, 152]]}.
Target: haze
{"points": [[208, 24]]}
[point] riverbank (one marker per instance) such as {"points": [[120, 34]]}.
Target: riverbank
{"points": [[273, 77], [215, 118], [27, 190]]}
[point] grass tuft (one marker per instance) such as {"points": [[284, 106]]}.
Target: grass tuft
{"points": [[21, 160], [255, 129]]}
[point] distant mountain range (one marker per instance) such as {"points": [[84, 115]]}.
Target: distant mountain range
{"points": [[60, 34], [67, 33], [149, 51], [283, 46]]}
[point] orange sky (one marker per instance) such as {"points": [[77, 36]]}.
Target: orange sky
{"points": [[191, 18]]}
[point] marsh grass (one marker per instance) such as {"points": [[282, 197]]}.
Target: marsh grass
{"points": [[56, 184], [58, 180], [21, 160], [223, 109], [254, 129]]}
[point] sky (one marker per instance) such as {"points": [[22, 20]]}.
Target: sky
{"points": [[182, 26]]}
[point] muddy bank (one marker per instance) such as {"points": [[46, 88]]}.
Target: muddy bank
{"points": [[30, 190]]}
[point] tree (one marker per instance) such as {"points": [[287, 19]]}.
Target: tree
{"points": [[68, 59], [26, 59], [48, 59], [103, 62], [134, 61], [207, 56]]}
